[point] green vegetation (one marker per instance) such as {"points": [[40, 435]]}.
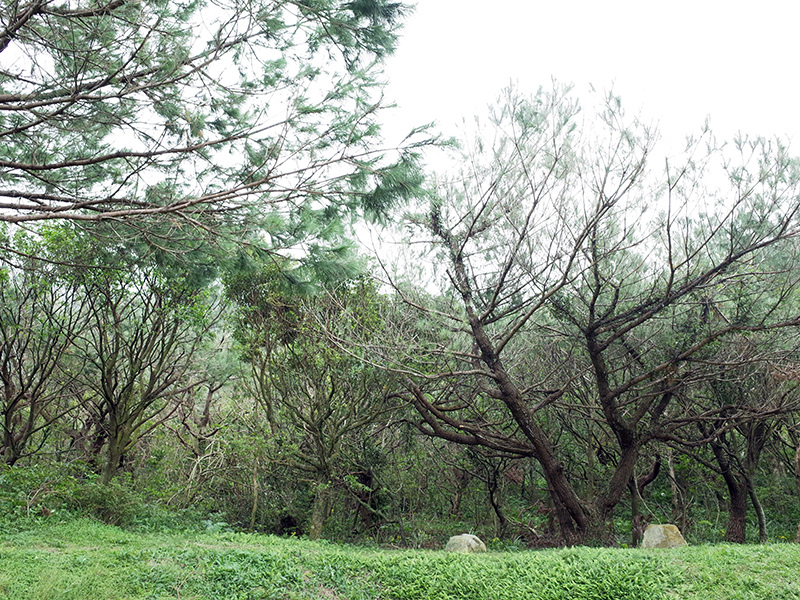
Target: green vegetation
{"points": [[84, 559], [570, 339]]}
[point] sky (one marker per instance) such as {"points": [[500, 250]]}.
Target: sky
{"points": [[675, 63]]}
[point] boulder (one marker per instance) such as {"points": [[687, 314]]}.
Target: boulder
{"points": [[662, 536], [465, 543]]}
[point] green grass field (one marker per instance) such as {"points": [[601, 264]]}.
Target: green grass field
{"points": [[82, 560]]}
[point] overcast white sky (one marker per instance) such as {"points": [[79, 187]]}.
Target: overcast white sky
{"points": [[675, 62]]}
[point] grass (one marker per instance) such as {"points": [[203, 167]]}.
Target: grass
{"points": [[84, 559]]}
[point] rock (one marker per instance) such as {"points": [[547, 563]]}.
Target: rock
{"points": [[662, 536], [465, 543]]}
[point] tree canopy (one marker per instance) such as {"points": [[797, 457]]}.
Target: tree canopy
{"points": [[174, 119], [560, 241]]}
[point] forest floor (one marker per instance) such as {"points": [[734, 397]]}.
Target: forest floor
{"points": [[82, 559]]}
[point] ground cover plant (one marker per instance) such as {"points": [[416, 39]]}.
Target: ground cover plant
{"points": [[85, 559]]}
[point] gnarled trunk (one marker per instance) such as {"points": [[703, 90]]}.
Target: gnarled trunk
{"points": [[737, 515], [117, 445], [737, 490], [321, 507]]}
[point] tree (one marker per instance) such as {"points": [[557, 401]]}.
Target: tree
{"points": [[738, 409], [318, 400], [550, 237], [168, 119], [40, 318], [142, 335]]}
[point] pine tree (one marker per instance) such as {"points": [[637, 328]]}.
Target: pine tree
{"points": [[165, 118]]}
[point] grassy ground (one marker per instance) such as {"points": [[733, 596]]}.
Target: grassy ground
{"points": [[83, 559]]}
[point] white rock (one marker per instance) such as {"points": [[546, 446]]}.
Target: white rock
{"points": [[465, 543], [662, 536]]}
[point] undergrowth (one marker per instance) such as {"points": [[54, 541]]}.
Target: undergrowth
{"points": [[83, 559]]}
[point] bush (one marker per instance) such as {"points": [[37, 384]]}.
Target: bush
{"points": [[112, 504], [33, 491], [71, 491]]}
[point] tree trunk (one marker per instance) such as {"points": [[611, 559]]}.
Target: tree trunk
{"points": [[797, 483], [624, 428], [10, 456], [117, 444], [575, 518], [636, 514], [254, 509], [762, 519], [460, 482], [678, 498], [365, 497], [737, 515], [565, 499], [507, 391], [636, 487], [737, 490], [320, 508], [623, 474], [566, 526], [493, 488]]}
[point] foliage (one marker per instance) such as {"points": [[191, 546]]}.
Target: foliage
{"points": [[62, 493], [191, 127], [317, 399], [610, 343], [40, 318]]}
